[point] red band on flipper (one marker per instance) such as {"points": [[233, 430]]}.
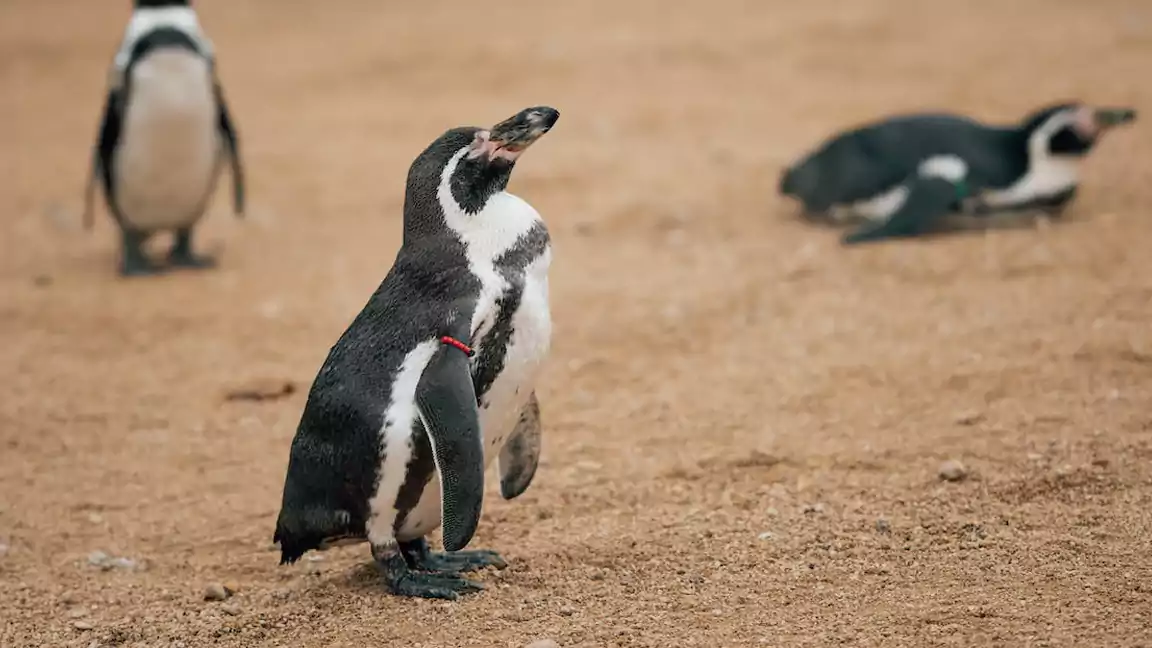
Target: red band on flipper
{"points": [[451, 341]]}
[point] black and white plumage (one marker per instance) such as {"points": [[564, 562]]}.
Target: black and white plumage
{"points": [[903, 174], [165, 131], [400, 423]]}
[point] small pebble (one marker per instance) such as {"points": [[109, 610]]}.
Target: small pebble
{"points": [[215, 592], [123, 563], [83, 625], [231, 587], [952, 470], [230, 610], [883, 525], [97, 558], [567, 611], [767, 535], [95, 518], [68, 598], [772, 511], [76, 613], [543, 643], [813, 508], [3, 550], [969, 418]]}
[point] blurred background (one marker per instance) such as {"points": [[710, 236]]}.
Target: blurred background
{"points": [[745, 422]]}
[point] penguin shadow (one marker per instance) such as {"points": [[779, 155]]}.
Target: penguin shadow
{"points": [[958, 224]]}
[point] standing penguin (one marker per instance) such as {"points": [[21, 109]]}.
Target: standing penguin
{"points": [[903, 174], [435, 376], [164, 133]]}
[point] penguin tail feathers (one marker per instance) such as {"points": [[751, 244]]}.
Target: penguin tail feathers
{"points": [[291, 548], [787, 183], [301, 531]]}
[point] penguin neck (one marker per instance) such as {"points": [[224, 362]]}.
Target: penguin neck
{"points": [[465, 191], [1018, 148], [474, 182], [146, 19], [483, 216], [1027, 169]]}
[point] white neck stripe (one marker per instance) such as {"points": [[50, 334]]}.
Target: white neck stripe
{"points": [[149, 19]]}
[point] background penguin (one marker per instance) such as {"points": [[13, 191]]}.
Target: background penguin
{"points": [[434, 376], [904, 173], [165, 130]]}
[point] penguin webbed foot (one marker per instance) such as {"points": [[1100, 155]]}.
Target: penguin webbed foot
{"points": [[402, 580], [192, 261], [182, 256], [139, 268], [421, 558], [134, 263]]}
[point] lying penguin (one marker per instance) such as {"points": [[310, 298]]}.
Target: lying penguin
{"points": [[904, 174], [165, 131], [435, 376]]}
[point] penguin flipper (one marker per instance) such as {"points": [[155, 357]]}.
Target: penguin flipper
{"points": [[931, 194], [446, 400], [228, 132], [106, 141], [521, 454]]}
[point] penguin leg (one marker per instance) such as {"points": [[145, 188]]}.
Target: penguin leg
{"points": [[452, 563], [402, 580], [181, 253], [930, 195], [133, 261]]}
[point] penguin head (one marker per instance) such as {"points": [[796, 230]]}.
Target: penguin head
{"points": [[481, 159], [1073, 128]]}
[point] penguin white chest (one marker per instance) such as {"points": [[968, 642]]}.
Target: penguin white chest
{"points": [[1048, 175], [512, 320], [501, 405], [169, 148], [528, 344]]}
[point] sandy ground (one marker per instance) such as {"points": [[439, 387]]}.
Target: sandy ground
{"points": [[745, 421]]}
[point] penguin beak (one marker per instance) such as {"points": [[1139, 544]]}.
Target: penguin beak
{"points": [[511, 137], [1112, 117]]}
